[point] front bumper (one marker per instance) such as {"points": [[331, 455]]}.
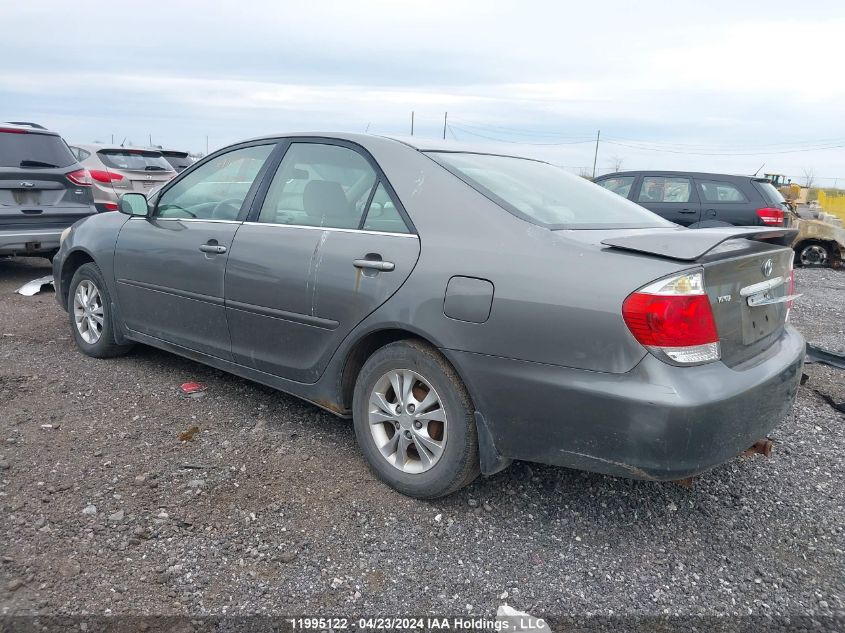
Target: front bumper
{"points": [[654, 422], [29, 241]]}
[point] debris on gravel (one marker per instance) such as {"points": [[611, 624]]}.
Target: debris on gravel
{"points": [[270, 509]]}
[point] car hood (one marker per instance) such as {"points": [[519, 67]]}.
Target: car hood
{"points": [[691, 244]]}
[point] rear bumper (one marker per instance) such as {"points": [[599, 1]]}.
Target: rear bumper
{"points": [[655, 422], [29, 241]]}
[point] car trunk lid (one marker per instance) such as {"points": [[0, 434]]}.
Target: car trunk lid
{"points": [[747, 277]]}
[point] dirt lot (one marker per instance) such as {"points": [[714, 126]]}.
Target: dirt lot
{"points": [[271, 509]]}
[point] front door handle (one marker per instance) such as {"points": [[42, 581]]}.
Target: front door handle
{"points": [[373, 264], [213, 248], [689, 211]]}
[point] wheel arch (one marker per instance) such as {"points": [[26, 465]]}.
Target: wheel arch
{"points": [[365, 346], [70, 265]]}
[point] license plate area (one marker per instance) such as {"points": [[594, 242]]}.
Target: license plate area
{"points": [[759, 321]]}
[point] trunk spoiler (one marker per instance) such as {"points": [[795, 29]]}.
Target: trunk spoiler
{"points": [[690, 244]]}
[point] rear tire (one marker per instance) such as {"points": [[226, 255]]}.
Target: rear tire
{"points": [[91, 319], [813, 254], [422, 440]]}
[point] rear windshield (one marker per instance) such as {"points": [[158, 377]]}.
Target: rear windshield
{"points": [[33, 151], [770, 193], [179, 160], [546, 195], [134, 160]]}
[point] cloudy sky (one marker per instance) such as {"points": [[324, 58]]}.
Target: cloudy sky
{"points": [[718, 86]]}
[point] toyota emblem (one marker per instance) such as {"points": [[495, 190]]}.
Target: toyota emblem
{"points": [[767, 268]]}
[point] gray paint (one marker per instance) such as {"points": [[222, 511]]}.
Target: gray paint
{"points": [[554, 352], [468, 299]]}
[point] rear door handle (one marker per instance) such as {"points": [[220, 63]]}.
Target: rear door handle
{"points": [[373, 264], [689, 211], [213, 248]]}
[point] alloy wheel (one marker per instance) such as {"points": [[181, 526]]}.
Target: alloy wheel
{"points": [[88, 311], [814, 255], [407, 421]]}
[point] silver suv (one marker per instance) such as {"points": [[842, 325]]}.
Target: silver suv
{"points": [[117, 170]]}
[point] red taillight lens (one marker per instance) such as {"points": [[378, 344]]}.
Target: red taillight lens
{"points": [[12, 130], [110, 206], [670, 321], [80, 177], [107, 177], [771, 216], [673, 319]]}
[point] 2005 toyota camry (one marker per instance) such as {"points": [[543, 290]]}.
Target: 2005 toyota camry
{"points": [[465, 309]]}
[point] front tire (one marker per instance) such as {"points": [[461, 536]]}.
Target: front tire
{"points": [[91, 319], [415, 422]]}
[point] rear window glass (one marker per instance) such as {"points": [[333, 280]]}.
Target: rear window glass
{"points": [[721, 192], [134, 160], [770, 193], [178, 160], [34, 151], [546, 195]]}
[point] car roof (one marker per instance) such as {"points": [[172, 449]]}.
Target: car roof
{"points": [[29, 128], [419, 143], [95, 147], [669, 172]]}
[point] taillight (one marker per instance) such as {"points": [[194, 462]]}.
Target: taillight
{"points": [[107, 177], [771, 216], [672, 318], [12, 130], [110, 206], [80, 177]]}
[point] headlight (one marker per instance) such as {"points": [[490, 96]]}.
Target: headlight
{"points": [[64, 234]]}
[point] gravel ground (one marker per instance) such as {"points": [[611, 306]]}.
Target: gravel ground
{"points": [[270, 508]]}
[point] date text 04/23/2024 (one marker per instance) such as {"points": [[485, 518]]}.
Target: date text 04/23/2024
{"points": [[418, 624]]}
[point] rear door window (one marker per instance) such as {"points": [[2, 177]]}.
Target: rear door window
{"points": [[665, 189], [714, 191], [33, 151], [383, 215], [134, 160], [318, 184], [621, 185]]}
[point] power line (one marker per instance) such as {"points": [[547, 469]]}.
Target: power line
{"points": [[653, 148], [504, 140]]}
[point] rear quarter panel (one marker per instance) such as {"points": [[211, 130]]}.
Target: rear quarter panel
{"points": [[557, 294]]}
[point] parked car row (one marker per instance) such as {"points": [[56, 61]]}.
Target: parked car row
{"points": [[464, 309], [46, 185]]}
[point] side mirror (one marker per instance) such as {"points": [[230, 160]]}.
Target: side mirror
{"points": [[134, 204]]}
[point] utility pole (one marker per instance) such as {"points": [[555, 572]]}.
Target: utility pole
{"points": [[151, 139], [596, 155], [412, 122], [445, 116], [206, 144], [112, 139]]}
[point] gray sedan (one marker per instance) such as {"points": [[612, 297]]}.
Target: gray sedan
{"points": [[464, 309]]}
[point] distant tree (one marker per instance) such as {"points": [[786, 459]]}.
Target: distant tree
{"points": [[809, 177], [616, 163]]}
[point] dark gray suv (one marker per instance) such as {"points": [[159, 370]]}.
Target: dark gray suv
{"points": [[701, 200], [43, 190]]}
